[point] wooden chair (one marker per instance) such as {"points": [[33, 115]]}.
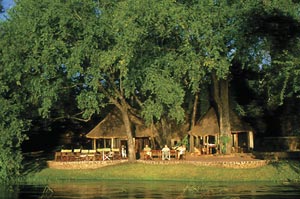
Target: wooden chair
{"points": [[105, 153], [156, 154], [66, 154], [77, 153], [91, 154], [173, 154], [147, 155], [116, 154], [84, 154]]}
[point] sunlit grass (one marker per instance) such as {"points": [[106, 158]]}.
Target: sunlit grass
{"points": [[275, 172]]}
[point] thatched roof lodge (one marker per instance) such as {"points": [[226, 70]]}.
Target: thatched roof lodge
{"points": [[112, 128], [208, 129], [206, 125], [241, 132]]}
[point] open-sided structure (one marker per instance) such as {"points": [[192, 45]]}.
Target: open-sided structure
{"points": [[207, 132], [241, 133], [111, 133]]}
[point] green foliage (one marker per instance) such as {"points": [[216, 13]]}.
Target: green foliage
{"points": [[35, 43], [140, 61], [59, 58], [11, 127], [273, 45], [55, 33], [90, 102], [285, 83], [12, 123], [164, 94], [224, 140], [85, 55], [184, 141]]}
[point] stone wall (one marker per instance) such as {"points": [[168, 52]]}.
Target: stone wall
{"points": [[82, 164], [227, 164], [99, 164]]}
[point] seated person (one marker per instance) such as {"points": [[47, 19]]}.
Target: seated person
{"points": [[181, 151], [147, 149], [165, 153]]}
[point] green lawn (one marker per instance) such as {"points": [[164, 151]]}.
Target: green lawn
{"points": [[276, 172]]}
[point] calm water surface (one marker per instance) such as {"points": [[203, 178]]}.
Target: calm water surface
{"points": [[141, 189]]}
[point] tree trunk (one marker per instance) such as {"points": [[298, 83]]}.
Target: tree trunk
{"points": [[225, 128], [221, 98], [193, 121], [164, 132], [131, 145]]}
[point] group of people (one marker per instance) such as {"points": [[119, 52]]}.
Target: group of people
{"points": [[166, 152]]}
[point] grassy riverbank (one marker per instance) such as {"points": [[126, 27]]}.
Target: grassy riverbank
{"points": [[282, 171]]}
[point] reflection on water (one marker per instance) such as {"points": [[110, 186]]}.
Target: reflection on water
{"points": [[142, 189]]}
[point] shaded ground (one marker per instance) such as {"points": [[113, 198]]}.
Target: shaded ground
{"points": [[35, 161]]}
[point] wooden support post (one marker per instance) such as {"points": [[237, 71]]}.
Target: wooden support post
{"points": [[250, 140], [94, 144]]}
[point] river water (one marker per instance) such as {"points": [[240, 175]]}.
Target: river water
{"points": [[151, 189]]}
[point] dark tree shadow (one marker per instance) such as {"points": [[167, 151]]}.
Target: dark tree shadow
{"points": [[280, 29], [35, 162]]}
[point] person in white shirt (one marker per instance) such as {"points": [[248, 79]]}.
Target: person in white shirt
{"points": [[123, 152], [165, 153]]}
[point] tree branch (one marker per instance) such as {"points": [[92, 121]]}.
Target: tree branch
{"points": [[73, 117]]}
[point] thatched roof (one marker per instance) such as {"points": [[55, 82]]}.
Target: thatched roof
{"points": [[112, 126], [208, 124], [237, 124], [144, 131]]}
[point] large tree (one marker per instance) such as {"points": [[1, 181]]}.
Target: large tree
{"points": [[261, 35], [95, 54], [137, 70], [211, 35], [36, 44]]}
